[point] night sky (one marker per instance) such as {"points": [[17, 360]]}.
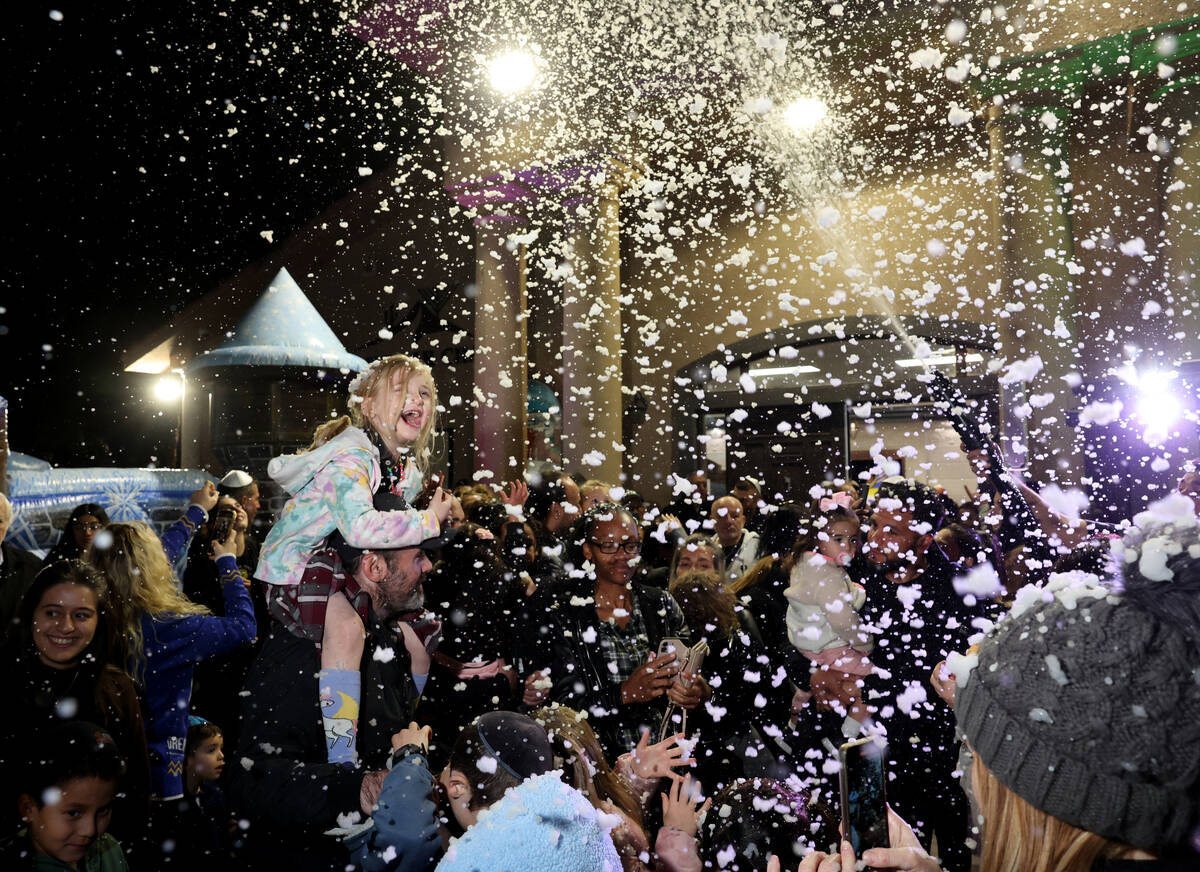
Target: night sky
{"points": [[128, 197]]}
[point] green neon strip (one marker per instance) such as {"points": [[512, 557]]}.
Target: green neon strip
{"points": [[1068, 70]]}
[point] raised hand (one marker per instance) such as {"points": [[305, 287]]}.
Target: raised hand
{"points": [[680, 805], [413, 734], [205, 497], [515, 497], [439, 504], [658, 760]]}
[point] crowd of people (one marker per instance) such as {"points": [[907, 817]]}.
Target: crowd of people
{"points": [[403, 676]]}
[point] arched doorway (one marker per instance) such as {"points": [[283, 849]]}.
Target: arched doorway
{"points": [[833, 399]]}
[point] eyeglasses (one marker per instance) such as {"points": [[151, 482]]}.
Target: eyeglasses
{"points": [[90, 528], [613, 547]]}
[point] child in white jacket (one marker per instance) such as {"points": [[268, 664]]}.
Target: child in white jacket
{"points": [[823, 603]]}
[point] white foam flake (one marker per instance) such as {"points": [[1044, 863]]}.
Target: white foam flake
{"points": [[980, 580], [1054, 667]]}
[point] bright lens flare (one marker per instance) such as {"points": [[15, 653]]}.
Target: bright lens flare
{"points": [[512, 72], [1157, 405], [804, 114], [168, 389]]}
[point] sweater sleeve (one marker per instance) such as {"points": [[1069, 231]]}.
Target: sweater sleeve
{"points": [[346, 483], [404, 834], [193, 638], [178, 536]]}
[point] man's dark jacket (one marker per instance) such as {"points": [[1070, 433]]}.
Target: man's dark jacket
{"points": [[16, 575], [279, 779]]}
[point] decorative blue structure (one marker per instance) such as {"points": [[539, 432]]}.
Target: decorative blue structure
{"points": [[43, 497], [282, 329]]}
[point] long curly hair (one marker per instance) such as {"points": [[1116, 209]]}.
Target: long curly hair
{"points": [[367, 384], [142, 583]]}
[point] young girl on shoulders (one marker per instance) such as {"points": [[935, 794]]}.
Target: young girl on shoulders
{"points": [[383, 444]]}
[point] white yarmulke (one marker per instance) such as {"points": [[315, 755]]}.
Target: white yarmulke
{"points": [[236, 478]]}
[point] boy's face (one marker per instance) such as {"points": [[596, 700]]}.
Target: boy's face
{"points": [[207, 761], [64, 829]]}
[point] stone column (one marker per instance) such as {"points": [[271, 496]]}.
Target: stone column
{"points": [[501, 356], [1036, 303], [591, 347]]}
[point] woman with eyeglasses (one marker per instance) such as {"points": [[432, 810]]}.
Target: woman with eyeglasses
{"points": [[607, 626], [84, 523]]}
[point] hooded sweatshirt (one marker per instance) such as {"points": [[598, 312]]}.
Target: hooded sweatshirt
{"points": [[540, 824], [333, 488]]}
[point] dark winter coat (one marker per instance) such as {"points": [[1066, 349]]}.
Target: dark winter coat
{"points": [[16, 575], [280, 779], [579, 669]]}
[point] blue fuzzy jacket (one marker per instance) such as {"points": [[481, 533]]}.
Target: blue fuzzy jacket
{"points": [[541, 824], [173, 645]]}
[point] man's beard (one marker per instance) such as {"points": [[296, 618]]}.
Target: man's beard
{"points": [[898, 563], [895, 565], [414, 602]]}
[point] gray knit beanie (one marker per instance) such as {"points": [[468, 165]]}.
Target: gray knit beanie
{"points": [[1085, 700]]}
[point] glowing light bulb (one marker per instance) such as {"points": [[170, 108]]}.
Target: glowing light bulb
{"points": [[1157, 405], [804, 114], [512, 72], [168, 389]]}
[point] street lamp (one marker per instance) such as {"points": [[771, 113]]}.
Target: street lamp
{"points": [[512, 72], [168, 389], [804, 114]]}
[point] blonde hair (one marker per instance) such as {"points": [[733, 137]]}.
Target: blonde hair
{"points": [[1020, 838], [142, 583], [366, 385]]}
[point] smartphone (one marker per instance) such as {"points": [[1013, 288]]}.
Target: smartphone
{"points": [[674, 646], [864, 797], [218, 531]]}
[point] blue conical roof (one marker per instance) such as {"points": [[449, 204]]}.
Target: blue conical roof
{"points": [[282, 328]]}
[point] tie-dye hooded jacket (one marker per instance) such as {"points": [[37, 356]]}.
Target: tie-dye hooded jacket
{"points": [[333, 488]]}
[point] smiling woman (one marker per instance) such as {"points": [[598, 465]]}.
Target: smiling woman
{"points": [[64, 649]]}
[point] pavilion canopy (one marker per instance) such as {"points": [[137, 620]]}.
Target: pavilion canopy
{"points": [[282, 328]]}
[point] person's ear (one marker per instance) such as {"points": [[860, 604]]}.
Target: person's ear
{"points": [[589, 553], [374, 567], [458, 787], [26, 807], [922, 544]]}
